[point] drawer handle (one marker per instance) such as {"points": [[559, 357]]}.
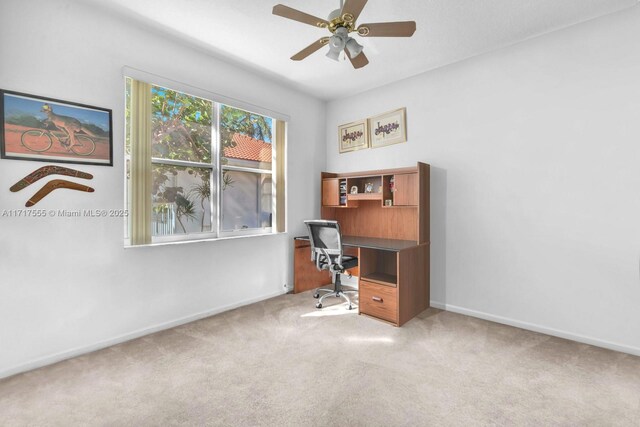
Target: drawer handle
{"points": [[376, 299]]}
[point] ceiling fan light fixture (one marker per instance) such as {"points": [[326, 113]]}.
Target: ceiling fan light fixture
{"points": [[337, 42], [334, 54], [353, 47], [339, 39]]}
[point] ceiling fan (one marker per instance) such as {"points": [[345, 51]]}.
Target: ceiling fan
{"points": [[340, 23]]}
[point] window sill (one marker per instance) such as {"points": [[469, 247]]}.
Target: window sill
{"points": [[204, 239]]}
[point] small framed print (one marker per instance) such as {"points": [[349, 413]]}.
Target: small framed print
{"points": [[388, 128], [368, 187], [353, 136]]}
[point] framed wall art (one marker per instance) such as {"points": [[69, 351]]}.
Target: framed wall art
{"points": [[45, 129], [353, 136], [388, 128]]}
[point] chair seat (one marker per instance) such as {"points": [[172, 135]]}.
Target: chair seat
{"points": [[349, 261]]}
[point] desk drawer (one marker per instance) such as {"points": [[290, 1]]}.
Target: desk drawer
{"points": [[378, 301]]}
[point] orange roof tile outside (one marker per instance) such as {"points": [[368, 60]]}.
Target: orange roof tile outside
{"points": [[248, 148]]}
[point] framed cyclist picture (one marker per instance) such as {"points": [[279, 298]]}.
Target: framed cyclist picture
{"points": [[50, 130]]}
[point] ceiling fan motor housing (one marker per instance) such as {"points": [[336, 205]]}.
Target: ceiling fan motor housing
{"points": [[338, 20], [334, 14]]}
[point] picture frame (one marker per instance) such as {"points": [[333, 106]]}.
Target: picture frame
{"points": [[368, 187], [39, 128], [388, 128], [353, 136]]}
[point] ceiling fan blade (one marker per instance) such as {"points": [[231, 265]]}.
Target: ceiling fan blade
{"points": [[353, 8], [388, 29], [359, 61], [296, 15], [310, 49]]}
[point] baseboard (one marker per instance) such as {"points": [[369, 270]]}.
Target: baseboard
{"points": [[68, 354], [538, 328]]}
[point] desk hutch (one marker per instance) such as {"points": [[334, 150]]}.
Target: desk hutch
{"points": [[391, 242]]}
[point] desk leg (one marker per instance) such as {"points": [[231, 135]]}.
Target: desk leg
{"points": [[305, 274], [413, 282]]}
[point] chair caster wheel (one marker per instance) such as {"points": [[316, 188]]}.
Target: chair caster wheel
{"points": [[316, 295], [350, 308], [318, 305]]}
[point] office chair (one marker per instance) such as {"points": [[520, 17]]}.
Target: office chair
{"points": [[326, 252]]}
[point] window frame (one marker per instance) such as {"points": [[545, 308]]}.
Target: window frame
{"points": [[215, 167]]}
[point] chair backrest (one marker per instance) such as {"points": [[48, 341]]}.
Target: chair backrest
{"points": [[325, 239]]}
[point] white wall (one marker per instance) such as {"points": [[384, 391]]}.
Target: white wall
{"points": [[68, 285], [535, 154]]}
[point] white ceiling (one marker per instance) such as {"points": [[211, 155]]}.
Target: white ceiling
{"points": [[245, 32]]}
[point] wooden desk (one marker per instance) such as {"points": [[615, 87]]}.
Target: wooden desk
{"points": [[394, 245], [391, 243]]}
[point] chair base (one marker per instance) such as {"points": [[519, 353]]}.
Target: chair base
{"points": [[334, 293], [337, 290]]}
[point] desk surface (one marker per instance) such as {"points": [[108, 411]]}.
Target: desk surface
{"points": [[373, 243]]}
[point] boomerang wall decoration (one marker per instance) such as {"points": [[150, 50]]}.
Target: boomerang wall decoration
{"points": [[46, 171], [53, 184]]}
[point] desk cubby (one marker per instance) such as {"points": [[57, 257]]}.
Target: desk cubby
{"points": [[361, 184], [379, 266], [335, 193]]}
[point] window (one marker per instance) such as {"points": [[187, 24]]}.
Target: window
{"points": [[246, 162], [199, 169]]}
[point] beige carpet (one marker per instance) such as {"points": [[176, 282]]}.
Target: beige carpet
{"points": [[281, 362]]}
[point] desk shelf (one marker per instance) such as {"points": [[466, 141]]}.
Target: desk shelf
{"points": [[365, 196]]}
